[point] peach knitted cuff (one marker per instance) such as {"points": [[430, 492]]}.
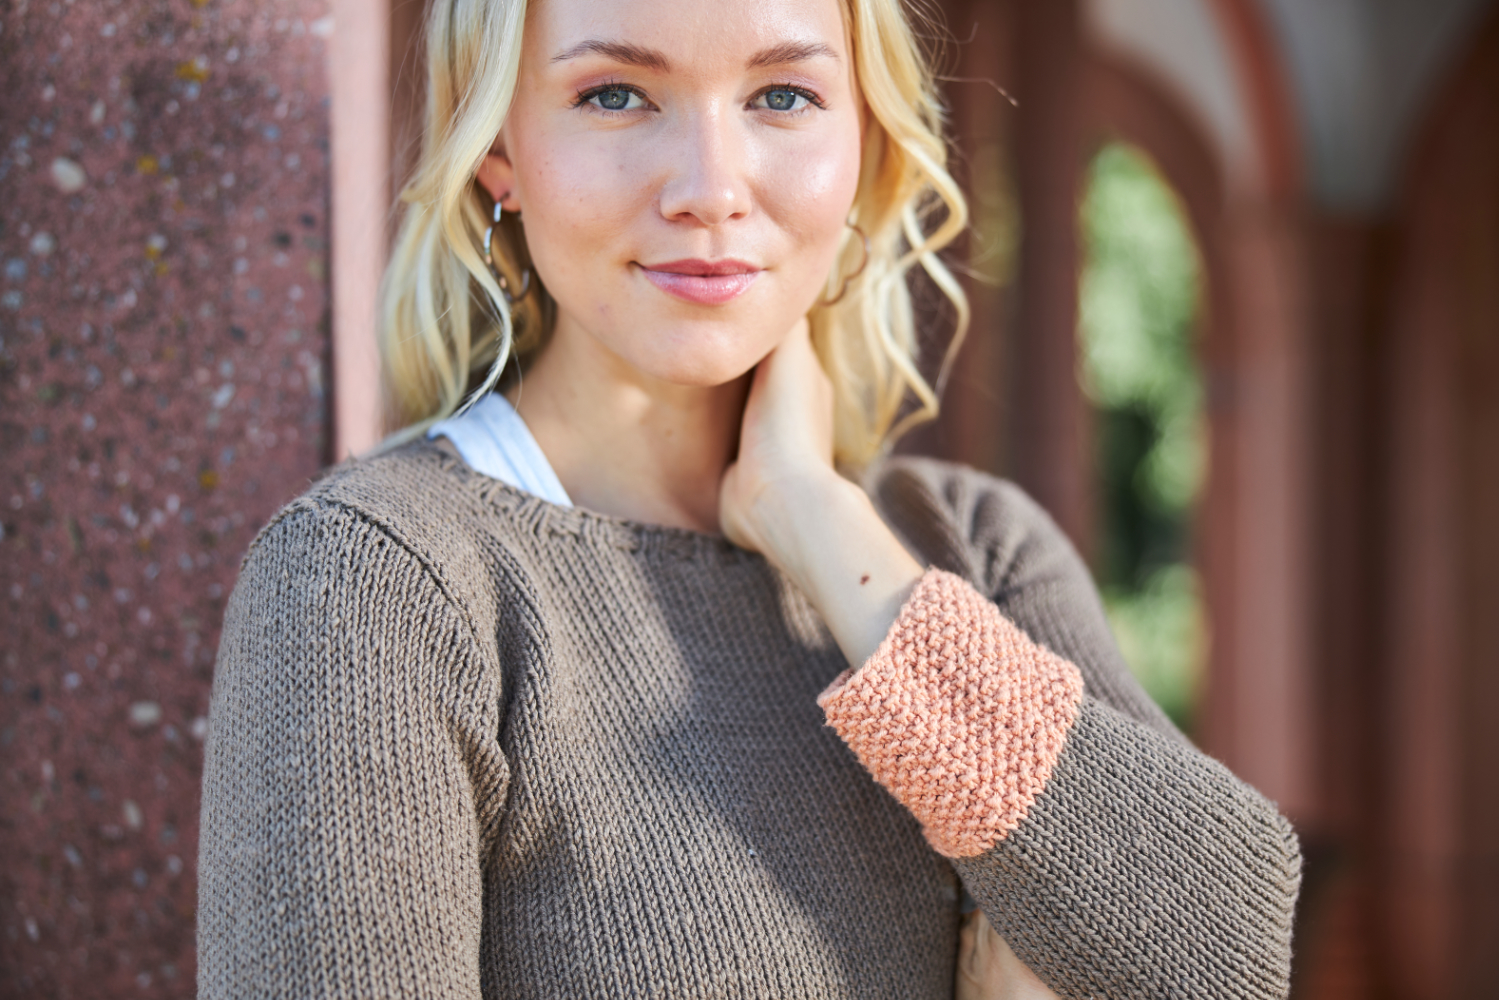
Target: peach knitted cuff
{"points": [[958, 714]]}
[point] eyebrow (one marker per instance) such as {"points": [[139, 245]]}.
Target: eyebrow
{"points": [[633, 55], [789, 52], [637, 55]]}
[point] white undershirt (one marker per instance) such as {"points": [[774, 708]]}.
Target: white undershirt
{"points": [[494, 440]]}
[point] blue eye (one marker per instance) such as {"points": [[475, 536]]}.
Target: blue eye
{"points": [[783, 99], [616, 99]]}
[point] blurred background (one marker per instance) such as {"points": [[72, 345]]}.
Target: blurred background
{"points": [[1235, 272]]}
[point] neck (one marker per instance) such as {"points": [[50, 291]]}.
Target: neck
{"points": [[625, 444]]}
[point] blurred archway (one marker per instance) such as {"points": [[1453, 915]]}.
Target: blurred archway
{"points": [[1140, 297]]}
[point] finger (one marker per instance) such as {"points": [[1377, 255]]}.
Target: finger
{"points": [[791, 396], [785, 363], [967, 943]]}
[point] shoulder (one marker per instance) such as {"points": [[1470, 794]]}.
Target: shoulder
{"points": [[407, 491], [374, 522], [968, 522]]}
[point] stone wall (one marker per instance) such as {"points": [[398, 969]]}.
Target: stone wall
{"points": [[163, 317]]}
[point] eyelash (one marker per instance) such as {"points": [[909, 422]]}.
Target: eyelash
{"points": [[811, 98], [584, 97]]}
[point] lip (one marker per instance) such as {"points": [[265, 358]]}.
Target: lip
{"points": [[705, 282]]}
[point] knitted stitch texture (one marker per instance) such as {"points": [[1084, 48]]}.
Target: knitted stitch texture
{"points": [[959, 714], [466, 743]]}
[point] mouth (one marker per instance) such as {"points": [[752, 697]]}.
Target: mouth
{"points": [[704, 282]]}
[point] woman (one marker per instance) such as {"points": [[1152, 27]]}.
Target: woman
{"points": [[590, 688]]}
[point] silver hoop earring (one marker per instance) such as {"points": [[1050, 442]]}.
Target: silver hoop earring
{"points": [[843, 288], [525, 278]]}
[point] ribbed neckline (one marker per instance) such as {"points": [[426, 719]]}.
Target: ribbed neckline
{"points": [[580, 522], [494, 439]]}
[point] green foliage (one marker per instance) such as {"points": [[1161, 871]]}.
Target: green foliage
{"points": [[1139, 297], [1163, 634]]}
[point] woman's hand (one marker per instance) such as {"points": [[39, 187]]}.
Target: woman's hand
{"points": [[783, 498], [785, 442], [989, 970]]}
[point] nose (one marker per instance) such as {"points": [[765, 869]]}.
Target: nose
{"points": [[706, 180]]}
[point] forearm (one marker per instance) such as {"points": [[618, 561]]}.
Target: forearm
{"points": [[783, 498], [824, 533]]}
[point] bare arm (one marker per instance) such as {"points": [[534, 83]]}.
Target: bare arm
{"points": [[784, 499]]}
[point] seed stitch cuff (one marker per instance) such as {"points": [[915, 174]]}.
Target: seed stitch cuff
{"points": [[958, 714]]}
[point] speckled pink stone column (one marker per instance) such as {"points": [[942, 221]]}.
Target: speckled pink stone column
{"points": [[163, 194]]}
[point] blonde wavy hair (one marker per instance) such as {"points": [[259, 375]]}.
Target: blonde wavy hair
{"points": [[447, 333]]}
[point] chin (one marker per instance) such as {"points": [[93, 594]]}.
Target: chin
{"points": [[705, 371], [700, 355]]}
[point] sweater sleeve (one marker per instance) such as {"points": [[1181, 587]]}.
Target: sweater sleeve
{"points": [[352, 777], [1114, 858]]}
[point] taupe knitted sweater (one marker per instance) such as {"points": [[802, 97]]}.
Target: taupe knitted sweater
{"points": [[467, 743]]}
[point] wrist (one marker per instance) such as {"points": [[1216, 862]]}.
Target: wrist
{"points": [[793, 512], [826, 536]]}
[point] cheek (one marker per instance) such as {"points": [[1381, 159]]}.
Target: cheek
{"points": [[829, 175], [576, 200], [809, 192]]}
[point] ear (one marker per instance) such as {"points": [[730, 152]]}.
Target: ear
{"points": [[498, 178]]}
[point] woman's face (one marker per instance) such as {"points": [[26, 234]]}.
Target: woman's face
{"points": [[683, 170]]}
